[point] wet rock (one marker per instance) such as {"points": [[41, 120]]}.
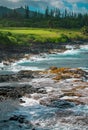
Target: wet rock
{"points": [[22, 120], [16, 77], [25, 74], [2, 98], [7, 78], [14, 118], [53, 68], [21, 101], [67, 73], [19, 118], [62, 104], [45, 101], [64, 113], [77, 120], [43, 91], [81, 121], [16, 91]]}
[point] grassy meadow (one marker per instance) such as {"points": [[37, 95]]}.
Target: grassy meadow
{"points": [[29, 35]]}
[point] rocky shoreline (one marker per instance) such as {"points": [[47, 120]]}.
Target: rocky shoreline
{"points": [[61, 88], [17, 85], [13, 53]]}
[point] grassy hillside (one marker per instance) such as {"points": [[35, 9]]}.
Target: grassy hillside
{"points": [[29, 35]]}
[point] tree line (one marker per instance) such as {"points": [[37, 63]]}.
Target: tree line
{"points": [[51, 18]]}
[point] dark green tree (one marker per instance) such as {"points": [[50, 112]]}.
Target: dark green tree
{"points": [[47, 12], [27, 11]]}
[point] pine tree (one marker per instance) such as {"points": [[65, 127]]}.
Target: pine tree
{"points": [[27, 12], [47, 12]]}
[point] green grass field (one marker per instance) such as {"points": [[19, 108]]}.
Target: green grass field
{"points": [[43, 32], [28, 35]]}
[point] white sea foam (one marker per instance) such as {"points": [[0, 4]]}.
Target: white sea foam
{"points": [[69, 97], [70, 47], [16, 68], [81, 108], [34, 58], [84, 47], [71, 52], [29, 102], [17, 62], [37, 58], [1, 65]]}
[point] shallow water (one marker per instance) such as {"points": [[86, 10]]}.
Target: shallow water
{"points": [[74, 58], [48, 117]]}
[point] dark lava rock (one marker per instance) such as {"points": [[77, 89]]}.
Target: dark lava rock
{"points": [[43, 91], [66, 113], [16, 91], [9, 77], [16, 77], [25, 74], [20, 76], [19, 118], [81, 120], [21, 101], [22, 120], [62, 104]]}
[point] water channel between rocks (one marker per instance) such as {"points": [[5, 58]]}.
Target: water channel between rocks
{"points": [[51, 104]]}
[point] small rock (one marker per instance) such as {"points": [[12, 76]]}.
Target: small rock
{"points": [[21, 101]]}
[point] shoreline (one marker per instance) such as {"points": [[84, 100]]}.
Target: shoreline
{"points": [[28, 93], [15, 53]]}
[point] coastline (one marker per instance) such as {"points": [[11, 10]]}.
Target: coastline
{"points": [[13, 53], [60, 94]]}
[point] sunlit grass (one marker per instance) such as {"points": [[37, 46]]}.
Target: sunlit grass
{"points": [[25, 35], [41, 32]]}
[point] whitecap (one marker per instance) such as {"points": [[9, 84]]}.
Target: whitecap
{"points": [[84, 68], [1, 65], [84, 47], [71, 52], [69, 47], [29, 102], [69, 97]]}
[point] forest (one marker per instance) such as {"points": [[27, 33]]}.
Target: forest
{"points": [[49, 18]]}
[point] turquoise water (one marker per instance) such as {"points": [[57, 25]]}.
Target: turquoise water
{"points": [[74, 58]]}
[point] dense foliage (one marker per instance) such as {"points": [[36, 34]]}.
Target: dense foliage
{"points": [[85, 30], [52, 18], [8, 38], [28, 36]]}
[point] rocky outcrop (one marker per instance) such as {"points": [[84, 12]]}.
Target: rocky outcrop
{"points": [[60, 95], [15, 91], [20, 122], [18, 76], [55, 75]]}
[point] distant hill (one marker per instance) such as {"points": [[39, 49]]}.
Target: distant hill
{"points": [[20, 10], [4, 10]]}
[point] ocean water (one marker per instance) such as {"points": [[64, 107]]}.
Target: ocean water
{"points": [[43, 117], [74, 58]]}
